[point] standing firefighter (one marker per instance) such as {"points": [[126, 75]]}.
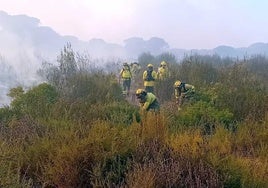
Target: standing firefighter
{"points": [[148, 101], [135, 70], [182, 91], [149, 77], [163, 72], [125, 75]]}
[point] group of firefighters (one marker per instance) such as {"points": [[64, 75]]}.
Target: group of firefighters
{"points": [[146, 97]]}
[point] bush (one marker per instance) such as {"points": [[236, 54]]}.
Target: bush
{"points": [[36, 102], [205, 116], [81, 133], [241, 93]]}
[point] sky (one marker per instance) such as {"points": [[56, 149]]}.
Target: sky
{"points": [[187, 24]]}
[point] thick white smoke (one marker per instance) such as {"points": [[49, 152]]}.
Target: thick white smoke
{"points": [[19, 64]]}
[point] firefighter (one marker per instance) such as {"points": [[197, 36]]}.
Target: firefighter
{"points": [[148, 101], [149, 77], [163, 71], [135, 70], [182, 91], [125, 75]]}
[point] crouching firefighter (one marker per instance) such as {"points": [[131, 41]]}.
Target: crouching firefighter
{"points": [[182, 91], [148, 101]]}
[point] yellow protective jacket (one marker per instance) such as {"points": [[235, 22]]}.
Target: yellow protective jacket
{"points": [[149, 82], [149, 99], [125, 74], [162, 73]]}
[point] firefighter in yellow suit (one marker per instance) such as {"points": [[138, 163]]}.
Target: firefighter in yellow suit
{"points": [[163, 71], [125, 75], [148, 101], [149, 78], [182, 91]]}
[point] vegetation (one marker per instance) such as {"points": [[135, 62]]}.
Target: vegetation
{"points": [[76, 130]]}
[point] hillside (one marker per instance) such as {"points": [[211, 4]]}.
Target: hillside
{"points": [[32, 44], [77, 129]]}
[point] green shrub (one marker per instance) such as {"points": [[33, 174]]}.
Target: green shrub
{"points": [[6, 115], [94, 87], [35, 102], [118, 113], [204, 115], [241, 93], [81, 133]]}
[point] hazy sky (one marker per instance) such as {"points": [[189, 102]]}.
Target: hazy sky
{"points": [[184, 24]]}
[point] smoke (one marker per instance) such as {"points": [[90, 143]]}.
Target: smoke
{"points": [[19, 62], [18, 70], [20, 52], [25, 45]]}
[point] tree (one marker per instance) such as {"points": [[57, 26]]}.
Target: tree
{"points": [[61, 75], [67, 62]]}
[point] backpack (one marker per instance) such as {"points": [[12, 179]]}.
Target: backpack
{"points": [[183, 89], [149, 76]]}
